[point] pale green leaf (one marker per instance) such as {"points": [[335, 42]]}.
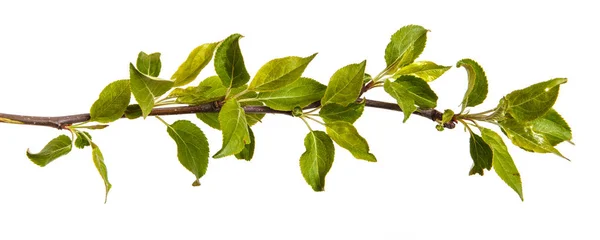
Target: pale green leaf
{"points": [[56, 148], [523, 136], [149, 64], [345, 85], [346, 136], [112, 102], [192, 147], [196, 61], [335, 112], [534, 101], [146, 88], [502, 161], [554, 128], [234, 127], [316, 161], [410, 92], [405, 46], [300, 93], [425, 70], [477, 88], [248, 152], [279, 72], [229, 63], [101, 167], [481, 153], [447, 116], [190, 95]]}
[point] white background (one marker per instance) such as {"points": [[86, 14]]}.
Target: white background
{"points": [[56, 56]]}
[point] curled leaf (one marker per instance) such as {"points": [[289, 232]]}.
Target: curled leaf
{"points": [[56, 148], [477, 85]]}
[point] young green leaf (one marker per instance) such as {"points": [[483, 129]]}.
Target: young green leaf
{"points": [[210, 118], [334, 112], [523, 136], [99, 163], [196, 61], [502, 161], [425, 70], [478, 86], [229, 62], [481, 153], [192, 147], [534, 101], [235, 129], [279, 72], [57, 147], [554, 128], [133, 111], [248, 152], [410, 91], [405, 46], [112, 103], [316, 161], [447, 116], [149, 64], [301, 93], [82, 139], [190, 95], [345, 85], [145, 89], [346, 136]]}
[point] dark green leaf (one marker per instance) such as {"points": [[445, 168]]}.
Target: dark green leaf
{"points": [[99, 163], [405, 46], [502, 161], [425, 70], [300, 93], [112, 103], [478, 86], [346, 136], [192, 147], [210, 118], [82, 139], [234, 127], [146, 88], [316, 161], [279, 72], [367, 78], [133, 111], [229, 62], [554, 128], [523, 136], [57, 147], [335, 112], [481, 153], [196, 61], [534, 101], [248, 150], [345, 85], [409, 92], [149, 64]]}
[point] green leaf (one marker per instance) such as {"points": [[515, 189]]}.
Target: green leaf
{"points": [[248, 152], [447, 116], [279, 72], [235, 129], [192, 147], [334, 112], [367, 78], [523, 136], [112, 103], [57, 147], [211, 119], [534, 101], [345, 85], [196, 61], [409, 92], [190, 95], [149, 64], [133, 111], [405, 46], [346, 136], [502, 161], [82, 139], [316, 161], [554, 128], [478, 86], [481, 153], [425, 70], [229, 62], [146, 88], [99, 163], [301, 93]]}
